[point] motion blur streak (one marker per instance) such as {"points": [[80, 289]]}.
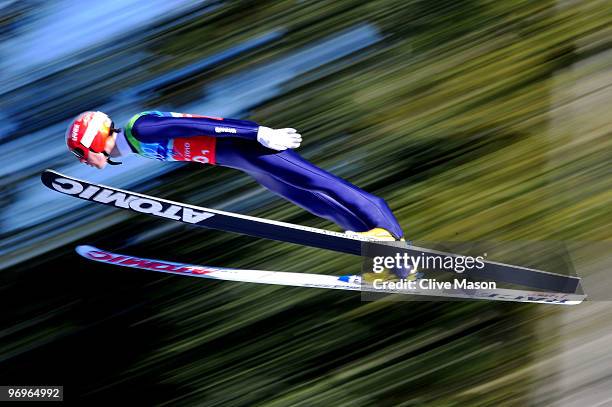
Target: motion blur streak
{"points": [[476, 120]]}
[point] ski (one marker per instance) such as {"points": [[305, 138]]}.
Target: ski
{"points": [[287, 232], [351, 282]]}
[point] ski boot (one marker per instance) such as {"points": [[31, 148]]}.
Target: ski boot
{"points": [[382, 235], [374, 235]]}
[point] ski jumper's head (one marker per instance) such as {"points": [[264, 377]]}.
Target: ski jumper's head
{"points": [[90, 138]]}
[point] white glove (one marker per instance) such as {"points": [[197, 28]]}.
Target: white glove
{"points": [[280, 139]]}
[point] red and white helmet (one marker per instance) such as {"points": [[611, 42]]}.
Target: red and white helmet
{"points": [[89, 132]]}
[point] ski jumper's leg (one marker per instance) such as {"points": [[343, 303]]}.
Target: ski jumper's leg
{"points": [[289, 175], [317, 203]]}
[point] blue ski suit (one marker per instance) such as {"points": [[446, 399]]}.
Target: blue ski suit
{"points": [[170, 136]]}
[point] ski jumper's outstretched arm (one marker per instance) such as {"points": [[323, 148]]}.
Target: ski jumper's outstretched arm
{"points": [[173, 136], [157, 128]]}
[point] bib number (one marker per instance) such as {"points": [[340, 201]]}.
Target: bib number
{"points": [[202, 158]]}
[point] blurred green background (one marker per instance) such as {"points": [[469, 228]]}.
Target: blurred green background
{"points": [[475, 120]]}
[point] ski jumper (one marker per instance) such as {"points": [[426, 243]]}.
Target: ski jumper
{"points": [[169, 136]]}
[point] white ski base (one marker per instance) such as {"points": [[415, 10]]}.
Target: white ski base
{"points": [[352, 282]]}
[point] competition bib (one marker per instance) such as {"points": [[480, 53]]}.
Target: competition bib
{"points": [[199, 149]]}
